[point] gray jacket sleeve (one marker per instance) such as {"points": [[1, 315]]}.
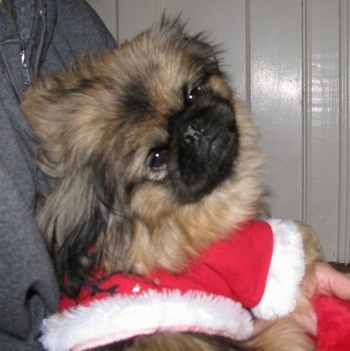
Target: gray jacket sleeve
{"points": [[28, 288]]}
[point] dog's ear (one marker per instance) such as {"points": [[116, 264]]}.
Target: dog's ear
{"points": [[46, 113], [75, 217], [65, 116], [74, 220]]}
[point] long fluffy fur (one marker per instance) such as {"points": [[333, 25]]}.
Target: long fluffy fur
{"points": [[95, 125]]}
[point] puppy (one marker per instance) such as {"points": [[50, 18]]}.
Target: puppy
{"points": [[154, 161]]}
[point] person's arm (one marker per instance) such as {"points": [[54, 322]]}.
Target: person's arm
{"points": [[28, 286], [27, 283], [77, 31]]}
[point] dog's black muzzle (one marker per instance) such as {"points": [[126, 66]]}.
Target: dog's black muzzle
{"points": [[204, 144]]}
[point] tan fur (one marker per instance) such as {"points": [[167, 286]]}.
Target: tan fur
{"points": [[82, 127]]}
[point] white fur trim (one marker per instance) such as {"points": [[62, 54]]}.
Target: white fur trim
{"points": [[122, 317], [286, 271]]}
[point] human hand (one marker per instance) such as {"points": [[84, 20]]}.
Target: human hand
{"points": [[324, 280], [331, 282]]}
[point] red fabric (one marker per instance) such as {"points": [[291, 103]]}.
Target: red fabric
{"points": [[236, 268], [333, 323]]}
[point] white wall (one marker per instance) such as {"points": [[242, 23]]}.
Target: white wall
{"points": [[107, 10], [289, 59]]}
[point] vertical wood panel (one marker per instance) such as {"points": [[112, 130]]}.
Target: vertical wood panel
{"points": [[343, 253], [306, 103], [276, 98], [323, 185]]}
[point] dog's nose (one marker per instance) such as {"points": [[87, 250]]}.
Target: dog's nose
{"points": [[191, 133]]}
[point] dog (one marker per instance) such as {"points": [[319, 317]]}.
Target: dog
{"points": [[153, 159]]}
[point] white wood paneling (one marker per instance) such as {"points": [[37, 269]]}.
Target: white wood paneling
{"points": [[276, 98], [289, 59], [322, 183], [326, 124], [343, 234]]}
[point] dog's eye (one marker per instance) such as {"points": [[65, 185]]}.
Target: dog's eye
{"points": [[158, 160], [195, 92]]}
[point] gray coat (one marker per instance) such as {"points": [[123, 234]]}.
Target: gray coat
{"points": [[36, 37]]}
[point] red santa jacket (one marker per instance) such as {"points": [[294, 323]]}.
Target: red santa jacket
{"points": [[259, 267]]}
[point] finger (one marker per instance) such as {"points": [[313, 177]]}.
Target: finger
{"points": [[340, 286], [331, 282]]}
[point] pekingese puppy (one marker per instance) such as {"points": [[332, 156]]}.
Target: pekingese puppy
{"points": [[155, 165]]}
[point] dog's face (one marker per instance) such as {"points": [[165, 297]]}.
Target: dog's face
{"points": [[153, 157]]}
